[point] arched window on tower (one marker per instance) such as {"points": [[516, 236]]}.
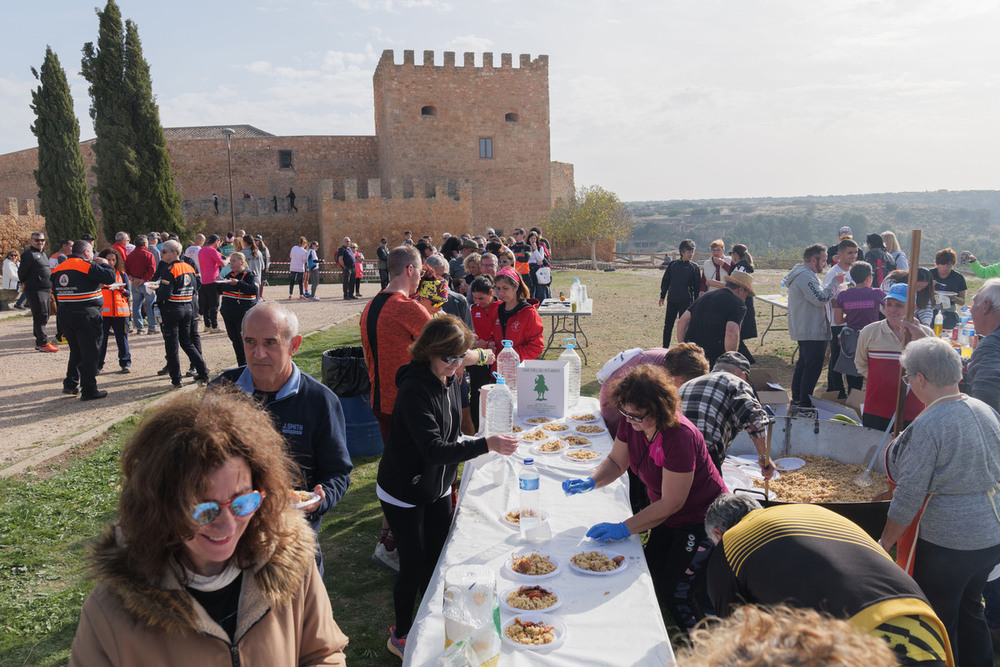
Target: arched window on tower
{"points": [[428, 110], [511, 117]]}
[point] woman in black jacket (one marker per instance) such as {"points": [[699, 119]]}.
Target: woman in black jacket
{"points": [[421, 459], [742, 261], [239, 294]]}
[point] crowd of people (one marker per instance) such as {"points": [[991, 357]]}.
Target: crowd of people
{"points": [[206, 546]]}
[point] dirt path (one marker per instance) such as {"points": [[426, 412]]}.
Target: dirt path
{"points": [[37, 421]]}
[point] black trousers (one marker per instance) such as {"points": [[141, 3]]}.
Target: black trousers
{"points": [[420, 533], [294, 278], [208, 297], [953, 581], [807, 371], [83, 330], [233, 318], [348, 282], [117, 325], [176, 329], [674, 310], [383, 276], [38, 302], [677, 558]]}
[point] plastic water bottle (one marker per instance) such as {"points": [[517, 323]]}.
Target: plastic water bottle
{"points": [[965, 316], [570, 356], [507, 362], [156, 314], [499, 408], [784, 288], [575, 292], [529, 497]]}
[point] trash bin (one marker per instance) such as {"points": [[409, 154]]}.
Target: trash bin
{"points": [[346, 374]]}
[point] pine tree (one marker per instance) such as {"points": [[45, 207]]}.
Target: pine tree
{"points": [[61, 176], [117, 166], [160, 208]]}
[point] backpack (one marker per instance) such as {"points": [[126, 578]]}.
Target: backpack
{"points": [[543, 276], [882, 264]]}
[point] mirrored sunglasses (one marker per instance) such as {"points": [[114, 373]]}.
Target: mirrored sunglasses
{"points": [[206, 513], [451, 360]]}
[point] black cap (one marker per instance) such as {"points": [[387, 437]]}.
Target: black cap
{"points": [[385, 240], [734, 359], [86, 237]]}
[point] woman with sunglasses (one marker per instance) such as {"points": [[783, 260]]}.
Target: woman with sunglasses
{"points": [[209, 564], [669, 455], [421, 459]]}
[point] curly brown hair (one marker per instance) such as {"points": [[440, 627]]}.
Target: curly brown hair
{"points": [[442, 336], [946, 256], [165, 468], [686, 361], [757, 637], [651, 391]]}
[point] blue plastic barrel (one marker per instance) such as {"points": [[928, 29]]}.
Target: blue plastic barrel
{"points": [[364, 438]]}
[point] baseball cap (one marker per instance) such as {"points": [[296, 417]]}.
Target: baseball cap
{"points": [[469, 243], [844, 233], [86, 237], [384, 240], [897, 292], [734, 359]]}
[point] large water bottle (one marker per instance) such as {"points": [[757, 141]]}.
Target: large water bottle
{"points": [[499, 408], [783, 291], [572, 360], [507, 362], [529, 497], [575, 292]]}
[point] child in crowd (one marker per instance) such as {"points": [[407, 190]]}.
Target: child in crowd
{"points": [[857, 307]]}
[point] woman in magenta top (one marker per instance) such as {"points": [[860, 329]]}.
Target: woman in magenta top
{"points": [[669, 455]]}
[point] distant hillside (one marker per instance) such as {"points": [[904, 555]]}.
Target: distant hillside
{"points": [[966, 220]]}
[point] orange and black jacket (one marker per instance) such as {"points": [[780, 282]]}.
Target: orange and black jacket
{"points": [[177, 284], [77, 283], [240, 297], [116, 300]]}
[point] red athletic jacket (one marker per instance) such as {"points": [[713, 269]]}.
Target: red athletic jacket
{"points": [[524, 329]]}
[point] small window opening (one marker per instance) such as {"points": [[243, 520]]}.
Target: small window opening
{"points": [[486, 147], [284, 159], [428, 111], [510, 117]]}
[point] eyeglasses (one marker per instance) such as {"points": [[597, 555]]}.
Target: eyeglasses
{"points": [[451, 360], [906, 379], [37, 240], [205, 513], [632, 418]]}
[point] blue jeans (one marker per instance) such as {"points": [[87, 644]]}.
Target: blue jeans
{"points": [[142, 306]]}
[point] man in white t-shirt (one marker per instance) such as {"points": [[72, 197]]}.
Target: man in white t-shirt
{"points": [[193, 250], [848, 254], [716, 268]]}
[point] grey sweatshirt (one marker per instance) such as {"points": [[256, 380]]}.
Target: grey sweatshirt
{"points": [[952, 450], [807, 305]]}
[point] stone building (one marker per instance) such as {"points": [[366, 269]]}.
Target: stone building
{"points": [[456, 148]]}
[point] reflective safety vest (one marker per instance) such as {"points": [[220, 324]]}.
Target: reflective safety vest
{"points": [[181, 277], [115, 302], [73, 285], [232, 291]]}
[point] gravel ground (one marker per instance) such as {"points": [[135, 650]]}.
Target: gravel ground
{"points": [[37, 421]]}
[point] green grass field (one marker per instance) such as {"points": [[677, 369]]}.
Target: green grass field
{"points": [[49, 516]]}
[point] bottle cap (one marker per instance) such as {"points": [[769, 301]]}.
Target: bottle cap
{"points": [[507, 343], [499, 378], [529, 461], [569, 345]]}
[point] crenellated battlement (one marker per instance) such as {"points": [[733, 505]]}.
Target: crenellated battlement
{"points": [[540, 63], [440, 189]]}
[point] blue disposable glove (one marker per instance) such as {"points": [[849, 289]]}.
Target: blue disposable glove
{"points": [[604, 532], [573, 486]]}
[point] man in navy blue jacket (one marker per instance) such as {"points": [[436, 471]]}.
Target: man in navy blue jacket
{"points": [[305, 411]]}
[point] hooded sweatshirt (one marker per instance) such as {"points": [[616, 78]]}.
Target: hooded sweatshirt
{"points": [[807, 304]]}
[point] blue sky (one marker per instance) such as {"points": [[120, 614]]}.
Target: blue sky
{"points": [[653, 100]]}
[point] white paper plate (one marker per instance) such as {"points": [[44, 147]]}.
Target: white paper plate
{"points": [[533, 577], [536, 448], [522, 612], [116, 285], [535, 617], [572, 459], [789, 463], [564, 428], [609, 554], [586, 444], [573, 418], [313, 497], [755, 473], [530, 441], [516, 526], [527, 420], [591, 435]]}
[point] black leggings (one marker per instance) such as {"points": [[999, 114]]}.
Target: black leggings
{"points": [[674, 311], [420, 533], [677, 557], [294, 278]]}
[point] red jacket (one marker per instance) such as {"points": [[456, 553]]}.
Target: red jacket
{"points": [[140, 264], [482, 320], [524, 329]]}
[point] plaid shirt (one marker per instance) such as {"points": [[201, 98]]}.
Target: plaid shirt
{"points": [[720, 405]]}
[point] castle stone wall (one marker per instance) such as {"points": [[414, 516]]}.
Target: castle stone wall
{"points": [[17, 220]]}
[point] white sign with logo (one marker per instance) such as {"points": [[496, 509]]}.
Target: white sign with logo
{"points": [[543, 388]]}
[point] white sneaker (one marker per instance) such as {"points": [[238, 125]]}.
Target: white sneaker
{"points": [[385, 558]]}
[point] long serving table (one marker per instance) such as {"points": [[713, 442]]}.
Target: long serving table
{"points": [[567, 323], [775, 301], [610, 620]]}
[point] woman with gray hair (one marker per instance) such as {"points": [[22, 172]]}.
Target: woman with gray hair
{"points": [[946, 468]]}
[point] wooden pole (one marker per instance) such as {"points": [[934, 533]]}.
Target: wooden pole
{"points": [[911, 295]]}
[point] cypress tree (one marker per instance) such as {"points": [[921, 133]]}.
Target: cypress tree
{"points": [[61, 177], [117, 166], [160, 207]]}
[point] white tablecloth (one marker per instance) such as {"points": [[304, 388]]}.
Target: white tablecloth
{"points": [[611, 620]]}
